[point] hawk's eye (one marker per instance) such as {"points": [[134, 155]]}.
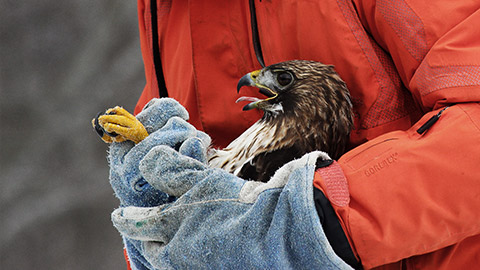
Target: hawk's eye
{"points": [[284, 78]]}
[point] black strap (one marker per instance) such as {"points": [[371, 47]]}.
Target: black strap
{"points": [[255, 36], [157, 61], [333, 230]]}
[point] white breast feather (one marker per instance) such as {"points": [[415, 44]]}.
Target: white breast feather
{"points": [[258, 138]]}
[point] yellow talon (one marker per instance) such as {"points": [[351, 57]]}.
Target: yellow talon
{"points": [[102, 134], [119, 125]]}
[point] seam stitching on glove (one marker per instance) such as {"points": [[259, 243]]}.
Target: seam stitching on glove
{"points": [[199, 203]]}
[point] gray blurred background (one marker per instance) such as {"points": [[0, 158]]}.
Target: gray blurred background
{"points": [[61, 62]]}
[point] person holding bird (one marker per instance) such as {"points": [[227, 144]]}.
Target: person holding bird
{"points": [[385, 175]]}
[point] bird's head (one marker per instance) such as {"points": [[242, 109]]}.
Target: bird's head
{"points": [[273, 82], [294, 86], [305, 94]]}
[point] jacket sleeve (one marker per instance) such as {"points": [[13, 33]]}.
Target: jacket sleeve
{"points": [[434, 45], [410, 194]]}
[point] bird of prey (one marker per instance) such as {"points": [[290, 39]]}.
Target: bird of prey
{"points": [[307, 108]]}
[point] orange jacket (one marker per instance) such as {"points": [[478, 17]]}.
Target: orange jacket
{"points": [[400, 59]]}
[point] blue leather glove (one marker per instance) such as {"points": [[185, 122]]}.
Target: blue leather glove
{"points": [[164, 121], [220, 221]]}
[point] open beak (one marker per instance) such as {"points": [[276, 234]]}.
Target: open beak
{"points": [[250, 79]]}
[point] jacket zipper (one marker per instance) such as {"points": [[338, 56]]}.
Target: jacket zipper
{"points": [[431, 121]]}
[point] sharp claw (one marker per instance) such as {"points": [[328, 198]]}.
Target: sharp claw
{"points": [[100, 130]]}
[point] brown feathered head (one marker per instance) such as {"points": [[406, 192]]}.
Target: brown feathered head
{"points": [[307, 107], [308, 99]]}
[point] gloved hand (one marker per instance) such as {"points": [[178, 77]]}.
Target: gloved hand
{"points": [[163, 119], [220, 221]]}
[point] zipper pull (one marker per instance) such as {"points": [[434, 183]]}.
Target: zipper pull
{"points": [[430, 122]]}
